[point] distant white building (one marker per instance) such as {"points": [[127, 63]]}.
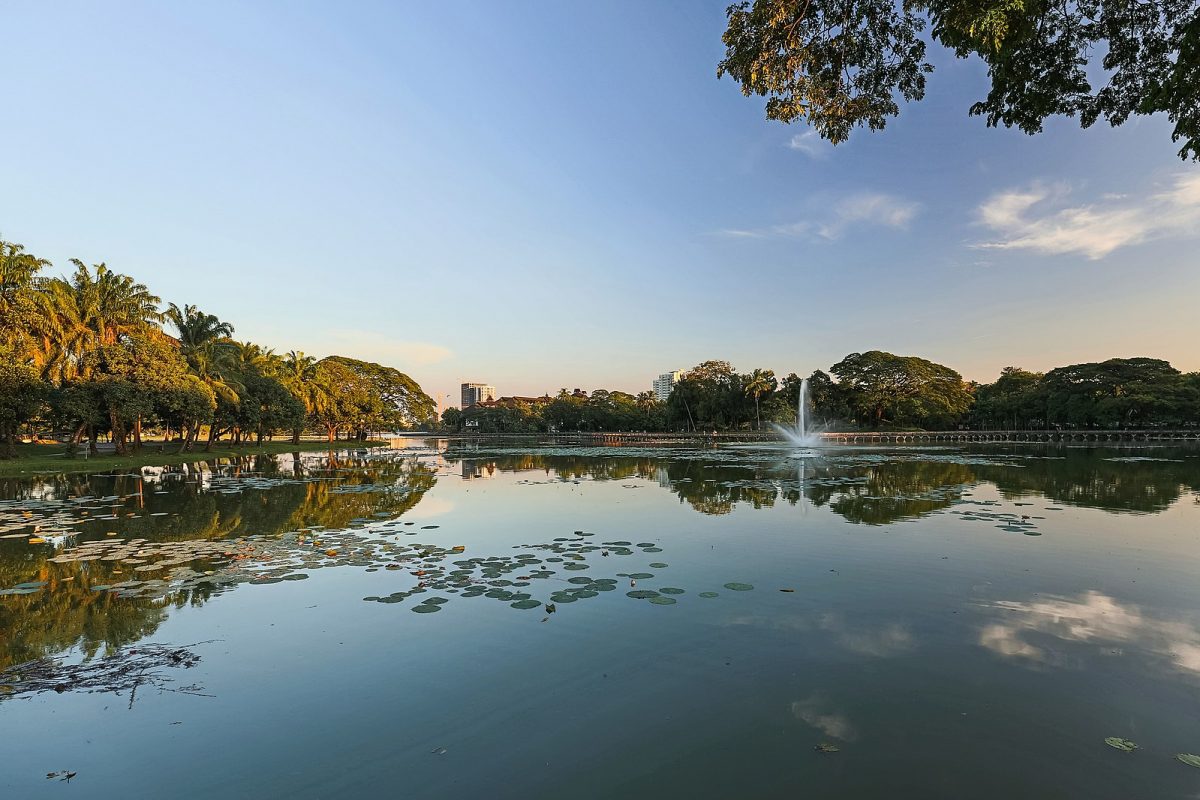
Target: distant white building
{"points": [[663, 384], [473, 393]]}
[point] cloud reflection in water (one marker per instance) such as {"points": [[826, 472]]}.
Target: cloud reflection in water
{"points": [[1030, 629]]}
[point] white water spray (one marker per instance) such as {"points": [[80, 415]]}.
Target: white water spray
{"points": [[800, 437]]}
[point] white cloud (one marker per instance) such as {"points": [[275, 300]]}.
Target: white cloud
{"points": [[1040, 219], [810, 144], [865, 208]]}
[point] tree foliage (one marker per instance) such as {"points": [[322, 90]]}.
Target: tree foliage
{"points": [[101, 364], [886, 388], [840, 64]]}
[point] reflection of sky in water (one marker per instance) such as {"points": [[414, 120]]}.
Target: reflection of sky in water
{"points": [[934, 645], [1037, 630]]}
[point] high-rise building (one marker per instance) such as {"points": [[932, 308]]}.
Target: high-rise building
{"points": [[473, 393], [663, 384]]}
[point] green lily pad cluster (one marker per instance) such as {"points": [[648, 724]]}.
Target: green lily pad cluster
{"points": [[1129, 746]]}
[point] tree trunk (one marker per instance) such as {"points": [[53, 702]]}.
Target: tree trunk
{"points": [[137, 434], [295, 436], [118, 433], [212, 436]]}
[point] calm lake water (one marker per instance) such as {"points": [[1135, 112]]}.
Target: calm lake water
{"points": [[956, 622]]}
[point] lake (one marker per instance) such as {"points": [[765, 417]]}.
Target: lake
{"points": [[461, 619]]}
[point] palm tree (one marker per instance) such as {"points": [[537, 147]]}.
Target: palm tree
{"points": [[300, 377], [760, 382], [194, 327], [646, 402], [17, 271], [109, 304], [85, 311], [211, 356]]}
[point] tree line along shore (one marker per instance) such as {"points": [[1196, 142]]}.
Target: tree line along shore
{"points": [[867, 391], [95, 355]]}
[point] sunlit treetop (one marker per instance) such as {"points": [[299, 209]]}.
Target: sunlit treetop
{"points": [[840, 64]]}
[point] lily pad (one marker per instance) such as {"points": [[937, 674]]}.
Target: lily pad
{"points": [[641, 576], [642, 594], [663, 601], [658, 565], [525, 604], [671, 590], [1188, 758], [709, 595], [826, 747], [739, 587], [426, 608], [1121, 744]]}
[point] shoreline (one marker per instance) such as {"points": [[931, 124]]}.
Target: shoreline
{"points": [[48, 459]]}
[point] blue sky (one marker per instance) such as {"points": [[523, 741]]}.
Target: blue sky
{"points": [[543, 195]]}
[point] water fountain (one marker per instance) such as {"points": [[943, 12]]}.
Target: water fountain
{"points": [[800, 436]]}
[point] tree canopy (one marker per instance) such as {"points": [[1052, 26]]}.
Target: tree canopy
{"points": [[841, 64], [87, 353]]}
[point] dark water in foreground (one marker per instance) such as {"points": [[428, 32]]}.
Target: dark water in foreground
{"points": [[958, 623]]}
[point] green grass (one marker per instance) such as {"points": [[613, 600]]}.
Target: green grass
{"points": [[33, 458]]}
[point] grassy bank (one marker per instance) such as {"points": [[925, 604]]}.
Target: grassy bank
{"points": [[33, 458]]}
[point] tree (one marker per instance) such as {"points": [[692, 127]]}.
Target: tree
{"points": [[885, 388], [21, 397], [88, 310], [760, 382], [195, 328], [1120, 392], [841, 64], [18, 312], [397, 398], [299, 375], [710, 394], [1014, 401], [136, 378]]}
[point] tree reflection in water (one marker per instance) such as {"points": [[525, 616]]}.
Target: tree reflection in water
{"points": [[304, 492]]}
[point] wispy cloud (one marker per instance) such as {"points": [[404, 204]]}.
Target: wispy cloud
{"points": [[861, 209], [810, 144], [871, 208], [1042, 219]]}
